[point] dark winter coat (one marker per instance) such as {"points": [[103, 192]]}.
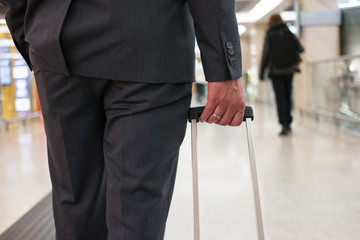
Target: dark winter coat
{"points": [[268, 57]]}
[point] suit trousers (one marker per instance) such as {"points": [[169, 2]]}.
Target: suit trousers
{"points": [[282, 86], [113, 149]]}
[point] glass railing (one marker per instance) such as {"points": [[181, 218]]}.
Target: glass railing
{"points": [[334, 88]]}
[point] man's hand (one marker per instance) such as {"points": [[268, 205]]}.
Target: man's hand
{"points": [[225, 103]]}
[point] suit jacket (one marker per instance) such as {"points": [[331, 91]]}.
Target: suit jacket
{"points": [[136, 41]]}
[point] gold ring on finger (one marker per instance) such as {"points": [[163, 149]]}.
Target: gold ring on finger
{"points": [[217, 117]]}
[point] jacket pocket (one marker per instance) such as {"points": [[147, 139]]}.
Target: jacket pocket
{"points": [[43, 24]]}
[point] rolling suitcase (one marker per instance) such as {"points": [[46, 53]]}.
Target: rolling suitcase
{"points": [[194, 117]]}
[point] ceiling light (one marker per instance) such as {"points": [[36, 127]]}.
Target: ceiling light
{"points": [[258, 11]]}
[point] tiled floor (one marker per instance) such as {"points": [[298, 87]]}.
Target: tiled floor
{"points": [[309, 181], [24, 178]]}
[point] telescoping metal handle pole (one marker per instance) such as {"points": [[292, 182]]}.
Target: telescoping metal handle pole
{"points": [[194, 117], [248, 117]]}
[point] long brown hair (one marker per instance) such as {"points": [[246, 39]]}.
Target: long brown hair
{"points": [[275, 19]]}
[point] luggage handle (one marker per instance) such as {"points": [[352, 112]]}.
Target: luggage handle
{"points": [[195, 113], [194, 117]]}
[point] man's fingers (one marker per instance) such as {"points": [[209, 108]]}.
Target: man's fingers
{"points": [[225, 120], [231, 118], [212, 114], [208, 111], [237, 120]]}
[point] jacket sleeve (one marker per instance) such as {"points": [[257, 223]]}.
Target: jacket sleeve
{"points": [[14, 15], [265, 59], [217, 35]]}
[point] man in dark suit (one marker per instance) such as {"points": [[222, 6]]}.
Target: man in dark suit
{"points": [[114, 79]]}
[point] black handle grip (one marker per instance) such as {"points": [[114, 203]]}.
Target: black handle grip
{"points": [[195, 113]]}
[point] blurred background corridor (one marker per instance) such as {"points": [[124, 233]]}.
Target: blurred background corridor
{"points": [[308, 179]]}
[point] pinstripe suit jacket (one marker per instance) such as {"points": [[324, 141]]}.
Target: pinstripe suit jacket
{"points": [[130, 40]]}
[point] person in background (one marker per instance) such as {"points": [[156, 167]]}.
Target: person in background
{"points": [[114, 79], [280, 56]]}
